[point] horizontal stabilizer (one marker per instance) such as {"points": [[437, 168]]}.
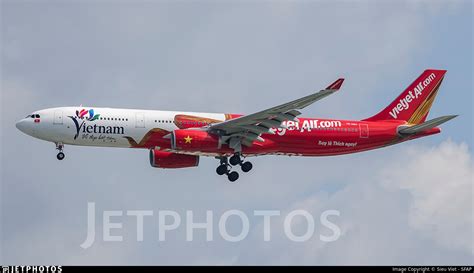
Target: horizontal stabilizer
{"points": [[425, 125]]}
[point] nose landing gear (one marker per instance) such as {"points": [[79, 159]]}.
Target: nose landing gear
{"points": [[225, 167], [59, 147]]}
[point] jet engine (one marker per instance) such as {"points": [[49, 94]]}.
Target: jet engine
{"points": [[166, 160]]}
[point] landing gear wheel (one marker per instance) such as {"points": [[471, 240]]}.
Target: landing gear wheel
{"points": [[235, 160], [59, 147], [246, 167], [221, 170], [233, 176]]}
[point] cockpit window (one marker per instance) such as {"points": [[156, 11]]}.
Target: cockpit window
{"points": [[33, 116]]}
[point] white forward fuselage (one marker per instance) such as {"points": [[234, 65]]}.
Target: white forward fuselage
{"points": [[107, 127]]}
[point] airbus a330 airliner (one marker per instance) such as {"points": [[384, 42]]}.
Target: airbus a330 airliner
{"points": [[178, 139]]}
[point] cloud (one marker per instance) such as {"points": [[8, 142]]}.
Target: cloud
{"points": [[439, 181], [422, 196]]}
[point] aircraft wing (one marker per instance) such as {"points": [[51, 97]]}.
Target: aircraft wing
{"points": [[248, 128]]}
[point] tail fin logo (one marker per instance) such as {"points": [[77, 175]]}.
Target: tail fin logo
{"points": [[404, 103]]}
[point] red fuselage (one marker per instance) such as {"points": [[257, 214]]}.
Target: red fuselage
{"points": [[307, 137]]}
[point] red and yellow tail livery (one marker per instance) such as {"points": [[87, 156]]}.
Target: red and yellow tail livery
{"points": [[414, 104]]}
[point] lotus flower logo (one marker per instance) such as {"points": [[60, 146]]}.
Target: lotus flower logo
{"points": [[83, 115], [88, 115]]}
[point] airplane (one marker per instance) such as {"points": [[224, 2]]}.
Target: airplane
{"points": [[178, 139]]}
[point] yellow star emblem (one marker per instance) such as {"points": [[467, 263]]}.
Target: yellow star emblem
{"points": [[188, 139]]}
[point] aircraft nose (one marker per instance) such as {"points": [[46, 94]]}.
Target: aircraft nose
{"points": [[22, 125], [19, 125]]}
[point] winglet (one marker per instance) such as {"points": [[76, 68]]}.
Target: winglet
{"points": [[336, 85]]}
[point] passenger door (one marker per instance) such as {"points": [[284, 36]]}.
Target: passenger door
{"points": [[58, 117], [139, 120], [364, 130]]}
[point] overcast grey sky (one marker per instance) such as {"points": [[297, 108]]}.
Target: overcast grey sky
{"points": [[409, 204]]}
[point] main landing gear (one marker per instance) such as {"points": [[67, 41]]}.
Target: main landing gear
{"points": [[236, 159], [225, 167], [59, 147]]}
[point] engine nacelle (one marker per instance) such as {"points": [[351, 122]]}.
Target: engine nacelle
{"points": [[166, 160], [193, 140]]}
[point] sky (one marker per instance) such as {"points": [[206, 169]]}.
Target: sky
{"points": [[407, 204]]}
